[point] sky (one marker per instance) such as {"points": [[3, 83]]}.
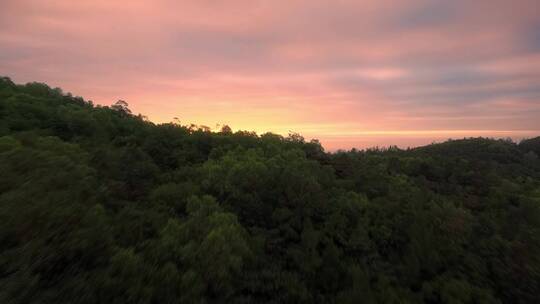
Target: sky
{"points": [[350, 73]]}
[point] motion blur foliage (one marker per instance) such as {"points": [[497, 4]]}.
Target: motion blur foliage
{"points": [[98, 205]]}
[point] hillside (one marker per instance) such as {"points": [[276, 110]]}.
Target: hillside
{"points": [[98, 205]]}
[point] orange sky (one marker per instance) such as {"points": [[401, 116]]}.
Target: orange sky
{"points": [[351, 73]]}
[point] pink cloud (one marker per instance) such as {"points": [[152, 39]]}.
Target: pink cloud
{"points": [[315, 67]]}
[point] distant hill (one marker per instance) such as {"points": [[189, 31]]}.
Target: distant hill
{"points": [[98, 205], [530, 145]]}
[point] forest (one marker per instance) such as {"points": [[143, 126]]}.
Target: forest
{"points": [[99, 205]]}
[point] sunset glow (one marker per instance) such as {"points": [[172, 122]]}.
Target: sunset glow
{"points": [[350, 73]]}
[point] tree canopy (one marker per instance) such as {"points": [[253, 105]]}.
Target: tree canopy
{"points": [[98, 205]]}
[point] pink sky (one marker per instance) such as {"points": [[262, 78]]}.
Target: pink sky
{"points": [[351, 73]]}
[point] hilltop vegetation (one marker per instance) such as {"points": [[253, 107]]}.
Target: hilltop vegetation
{"points": [[98, 205]]}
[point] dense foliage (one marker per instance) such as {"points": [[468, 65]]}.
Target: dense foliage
{"points": [[98, 205]]}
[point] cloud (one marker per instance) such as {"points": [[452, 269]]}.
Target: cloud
{"points": [[349, 66]]}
